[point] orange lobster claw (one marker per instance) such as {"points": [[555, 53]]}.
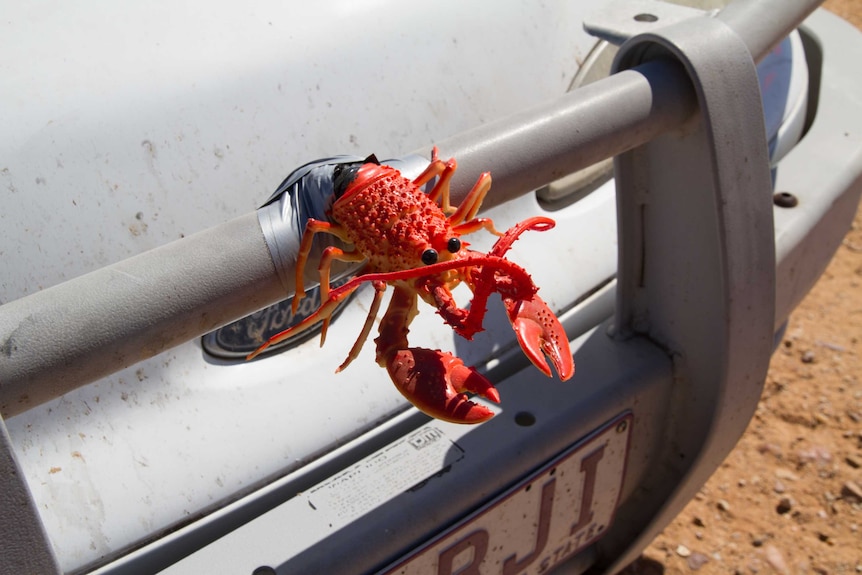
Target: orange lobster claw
{"points": [[436, 382], [540, 334], [538, 330]]}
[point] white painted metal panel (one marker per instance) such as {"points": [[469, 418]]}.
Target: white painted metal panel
{"points": [[137, 124]]}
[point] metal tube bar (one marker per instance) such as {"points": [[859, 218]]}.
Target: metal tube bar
{"points": [[81, 330], [762, 24], [531, 149], [66, 336]]}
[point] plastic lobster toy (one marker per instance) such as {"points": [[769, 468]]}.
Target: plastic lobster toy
{"points": [[413, 244]]}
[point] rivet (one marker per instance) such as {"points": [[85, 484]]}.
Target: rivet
{"points": [[785, 200], [525, 418], [646, 18]]}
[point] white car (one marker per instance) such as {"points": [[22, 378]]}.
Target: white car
{"points": [[138, 269]]}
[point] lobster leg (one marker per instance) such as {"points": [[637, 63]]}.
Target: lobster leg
{"points": [[325, 311], [436, 382], [312, 227], [379, 288], [475, 225], [325, 268], [462, 218], [472, 202], [434, 169]]}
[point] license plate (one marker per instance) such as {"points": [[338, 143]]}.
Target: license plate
{"points": [[559, 510]]}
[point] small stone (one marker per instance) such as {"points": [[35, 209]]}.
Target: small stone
{"points": [[696, 561], [808, 357], [779, 487], [698, 521], [775, 559], [770, 448], [817, 454], [832, 346], [683, 551], [786, 474], [851, 491], [785, 504], [853, 462], [723, 505]]}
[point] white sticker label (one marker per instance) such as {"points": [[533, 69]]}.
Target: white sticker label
{"points": [[385, 474]]}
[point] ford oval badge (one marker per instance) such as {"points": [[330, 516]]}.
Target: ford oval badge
{"points": [[238, 339]]}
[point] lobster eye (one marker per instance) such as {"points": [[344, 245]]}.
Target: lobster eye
{"points": [[453, 245], [429, 257]]}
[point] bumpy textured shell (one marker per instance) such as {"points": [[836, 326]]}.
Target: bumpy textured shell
{"points": [[392, 222]]}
